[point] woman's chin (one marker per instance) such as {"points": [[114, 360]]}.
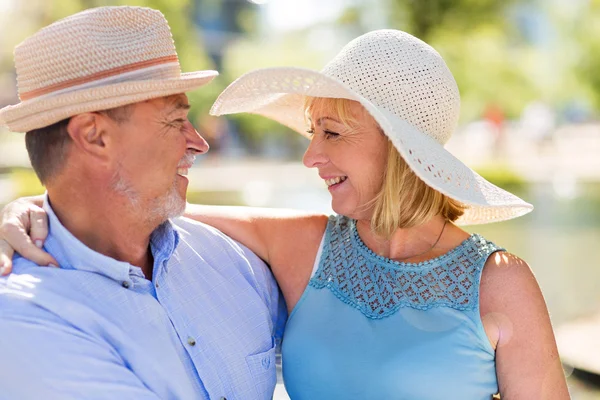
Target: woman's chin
{"points": [[343, 209], [352, 211]]}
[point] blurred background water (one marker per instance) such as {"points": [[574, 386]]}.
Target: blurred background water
{"points": [[529, 76]]}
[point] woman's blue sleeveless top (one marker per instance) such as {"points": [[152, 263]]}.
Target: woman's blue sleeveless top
{"points": [[368, 327]]}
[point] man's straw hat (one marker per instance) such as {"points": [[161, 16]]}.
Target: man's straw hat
{"points": [[94, 60], [407, 87]]}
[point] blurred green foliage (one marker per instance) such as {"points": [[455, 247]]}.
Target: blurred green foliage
{"points": [[426, 18], [25, 182], [491, 63], [585, 31], [503, 176]]}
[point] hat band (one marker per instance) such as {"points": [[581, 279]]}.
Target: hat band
{"points": [[157, 68]]}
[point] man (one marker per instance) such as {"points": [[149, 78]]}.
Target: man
{"points": [[141, 307]]}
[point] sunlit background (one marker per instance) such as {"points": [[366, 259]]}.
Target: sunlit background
{"points": [[529, 76]]}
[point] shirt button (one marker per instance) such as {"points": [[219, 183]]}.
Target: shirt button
{"points": [[191, 341], [125, 284], [156, 284], [223, 398], [266, 362]]}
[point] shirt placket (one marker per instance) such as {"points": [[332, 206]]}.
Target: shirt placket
{"points": [[190, 338]]}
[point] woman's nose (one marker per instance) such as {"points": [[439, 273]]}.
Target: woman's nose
{"points": [[314, 154]]}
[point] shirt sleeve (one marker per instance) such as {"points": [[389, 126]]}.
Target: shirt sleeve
{"points": [[42, 357]]}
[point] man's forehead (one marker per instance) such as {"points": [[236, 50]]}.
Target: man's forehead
{"points": [[177, 102], [170, 104]]}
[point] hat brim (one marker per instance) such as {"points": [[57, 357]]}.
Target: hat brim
{"points": [[47, 110], [278, 93]]}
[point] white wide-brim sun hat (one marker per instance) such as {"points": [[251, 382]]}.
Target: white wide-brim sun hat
{"points": [[95, 60], [407, 88]]}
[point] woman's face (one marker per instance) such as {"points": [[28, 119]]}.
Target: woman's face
{"points": [[351, 160]]}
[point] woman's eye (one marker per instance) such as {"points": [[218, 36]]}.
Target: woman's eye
{"points": [[327, 134], [330, 135]]}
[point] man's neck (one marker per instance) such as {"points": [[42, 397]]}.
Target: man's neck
{"points": [[105, 225]]}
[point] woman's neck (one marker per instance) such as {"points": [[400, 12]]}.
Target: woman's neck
{"points": [[415, 244]]}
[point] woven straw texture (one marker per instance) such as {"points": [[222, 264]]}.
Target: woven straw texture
{"points": [[97, 59], [407, 87]]}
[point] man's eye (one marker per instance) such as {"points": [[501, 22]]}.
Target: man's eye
{"points": [[178, 123]]}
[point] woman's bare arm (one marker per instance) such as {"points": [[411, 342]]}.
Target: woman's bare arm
{"points": [[288, 240], [527, 360], [262, 230]]}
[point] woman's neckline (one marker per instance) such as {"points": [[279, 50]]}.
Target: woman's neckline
{"points": [[471, 239]]}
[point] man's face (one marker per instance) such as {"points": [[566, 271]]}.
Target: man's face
{"points": [[156, 146]]}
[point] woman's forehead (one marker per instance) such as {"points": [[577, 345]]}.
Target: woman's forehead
{"points": [[325, 119], [332, 106], [350, 113]]}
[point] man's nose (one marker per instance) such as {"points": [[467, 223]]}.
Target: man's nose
{"points": [[194, 140]]}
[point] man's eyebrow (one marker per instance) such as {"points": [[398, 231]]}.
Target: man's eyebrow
{"points": [[179, 106]]}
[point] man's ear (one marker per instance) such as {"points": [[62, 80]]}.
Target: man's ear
{"points": [[89, 132]]}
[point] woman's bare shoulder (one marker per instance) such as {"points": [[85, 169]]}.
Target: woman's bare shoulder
{"points": [[511, 297], [507, 281], [506, 271]]}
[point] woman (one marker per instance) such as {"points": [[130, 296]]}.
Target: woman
{"points": [[389, 298]]}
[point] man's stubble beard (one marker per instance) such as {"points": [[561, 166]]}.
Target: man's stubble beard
{"points": [[155, 211]]}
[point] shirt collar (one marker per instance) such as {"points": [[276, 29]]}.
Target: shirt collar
{"points": [[73, 254]]}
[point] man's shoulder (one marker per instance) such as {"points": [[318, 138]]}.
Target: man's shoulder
{"points": [[32, 287], [26, 289], [202, 236], [230, 260], [187, 226], [216, 248], [24, 280]]}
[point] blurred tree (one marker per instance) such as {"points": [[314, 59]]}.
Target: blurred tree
{"points": [[491, 60], [423, 18], [584, 51]]}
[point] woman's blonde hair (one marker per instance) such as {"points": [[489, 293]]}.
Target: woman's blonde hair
{"points": [[404, 200], [340, 108]]}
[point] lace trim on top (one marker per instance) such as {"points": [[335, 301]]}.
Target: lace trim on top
{"points": [[378, 286]]}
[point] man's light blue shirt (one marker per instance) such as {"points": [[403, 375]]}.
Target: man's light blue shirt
{"points": [[205, 327]]}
